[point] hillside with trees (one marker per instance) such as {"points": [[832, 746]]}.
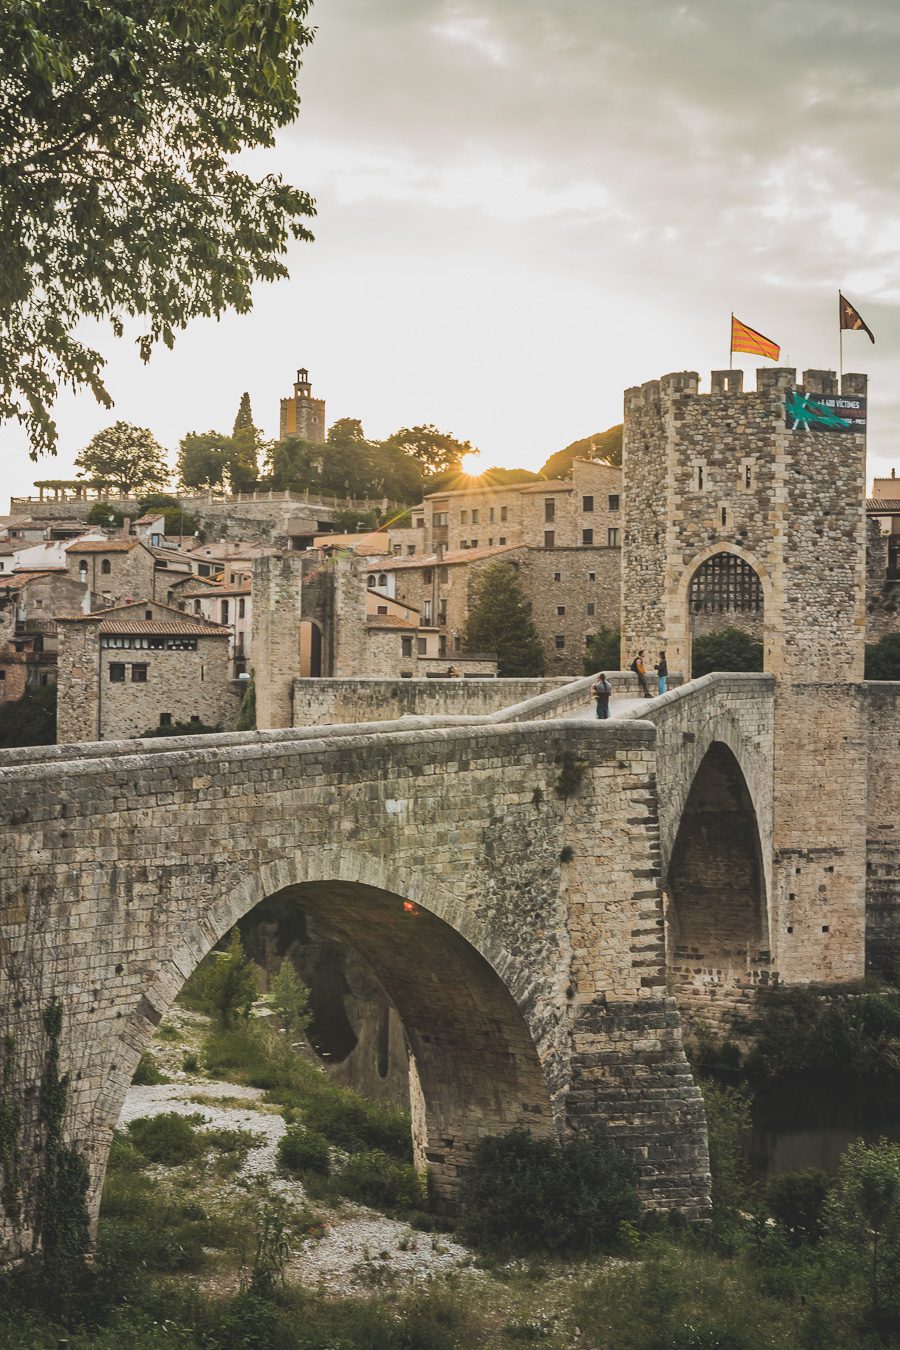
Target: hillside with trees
{"points": [[602, 445]]}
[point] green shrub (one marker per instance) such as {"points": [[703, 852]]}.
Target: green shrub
{"points": [[31, 720], [729, 650], [527, 1194], [231, 1145], [224, 985], [301, 1150], [123, 1156], [728, 1126], [376, 1179], [797, 1201], [862, 1223], [603, 652], [147, 1073], [169, 1138], [289, 996], [355, 1124], [883, 658], [189, 1062]]}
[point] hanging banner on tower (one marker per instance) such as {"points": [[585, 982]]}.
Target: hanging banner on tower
{"points": [[844, 413]]}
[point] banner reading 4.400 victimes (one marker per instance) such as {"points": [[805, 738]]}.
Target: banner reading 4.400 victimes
{"points": [[824, 412]]}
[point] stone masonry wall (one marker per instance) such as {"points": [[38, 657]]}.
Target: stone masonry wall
{"points": [[882, 711], [320, 702], [583, 582], [531, 989]]}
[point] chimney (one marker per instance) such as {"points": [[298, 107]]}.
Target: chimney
{"points": [[126, 527]]}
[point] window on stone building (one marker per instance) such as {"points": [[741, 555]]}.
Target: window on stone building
{"points": [[463, 517], [502, 540], [748, 476], [195, 717], [587, 503], [444, 574], [560, 609], [196, 606], [442, 610], [370, 581], [503, 511], [82, 571], [397, 550], [725, 583], [382, 578], [491, 516], [165, 719], [587, 536], [550, 509], [138, 674], [106, 567], [224, 611], [421, 646], [426, 611], [440, 517], [724, 516], [591, 607], [406, 646], [592, 576], [474, 517], [117, 672], [613, 501], [559, 641], [241, 608], [612, 537], [410, 550], [699, 477], [462, 544], [557, 576], [473, 543], [428, 575], [382, 609], [549, 539]]}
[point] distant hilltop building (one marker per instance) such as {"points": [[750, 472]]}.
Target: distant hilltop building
{"points": [[302, 416]]}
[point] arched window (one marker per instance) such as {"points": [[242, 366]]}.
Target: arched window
{"points": [[106, 566], [82, 570], [371, 581]]}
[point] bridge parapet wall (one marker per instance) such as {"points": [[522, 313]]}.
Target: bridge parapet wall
{"points": [[534, 991]]}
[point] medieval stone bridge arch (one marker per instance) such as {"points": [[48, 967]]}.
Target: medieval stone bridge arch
{"points": [[534, 991]]}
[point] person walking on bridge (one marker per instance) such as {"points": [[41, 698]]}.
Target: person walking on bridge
{"points": [[601, 690], [640, 671]]}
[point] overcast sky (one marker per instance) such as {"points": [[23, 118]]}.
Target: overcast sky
{"points": [[524, 208]]}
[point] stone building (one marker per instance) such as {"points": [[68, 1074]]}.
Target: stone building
{"points": [[574, 592], [584, 511], [230, 606], [115, 570], [29, 604], [302, 417], [121, 673]]}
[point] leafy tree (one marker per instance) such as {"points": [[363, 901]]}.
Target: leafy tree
{"points": [[603, 652], [883, 658], [202, 459], [226, 983], [797, 1201], [394, 474], [435, 450], [102, 513], [126, 457], [31, 720], [244, 419], [729, 650], [862, 1220], [289, 997], [176, 519], [120, 127], [728, 1126], [500, 621], [604, 445]]}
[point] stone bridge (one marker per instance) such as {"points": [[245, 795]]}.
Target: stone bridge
{"points": [[500, 874], [506, 876]]}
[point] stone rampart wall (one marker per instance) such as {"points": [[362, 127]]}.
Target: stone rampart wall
{"points": [[323, 702]]}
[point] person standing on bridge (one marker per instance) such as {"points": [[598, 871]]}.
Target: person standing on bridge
{"points": [[662, 672], [601, 691], [640, 671]]}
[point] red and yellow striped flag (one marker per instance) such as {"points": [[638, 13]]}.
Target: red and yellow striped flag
{"points": [[744, 339]]}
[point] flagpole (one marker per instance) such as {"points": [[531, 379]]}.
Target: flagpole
{"points": [[840, 342]]}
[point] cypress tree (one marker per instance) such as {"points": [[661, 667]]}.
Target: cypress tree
{"points": [[244, 419], [500, 621]]}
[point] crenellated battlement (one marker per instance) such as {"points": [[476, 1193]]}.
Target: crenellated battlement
{"points": [[770, 380]]}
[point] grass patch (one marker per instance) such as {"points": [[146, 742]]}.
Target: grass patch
{"points": [[148, 1072], [169, 1139], [261, 1057], [301, 1150], [376, 1179]]}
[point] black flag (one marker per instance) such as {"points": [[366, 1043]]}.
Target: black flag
{"points": [[851, 318]]}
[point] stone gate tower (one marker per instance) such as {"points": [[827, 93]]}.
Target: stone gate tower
{"points": [[752, 505]]}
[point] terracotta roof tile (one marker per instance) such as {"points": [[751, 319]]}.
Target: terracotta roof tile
{"points": [[888, 506], [103, 546], [142, 627], [388, 621]]}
